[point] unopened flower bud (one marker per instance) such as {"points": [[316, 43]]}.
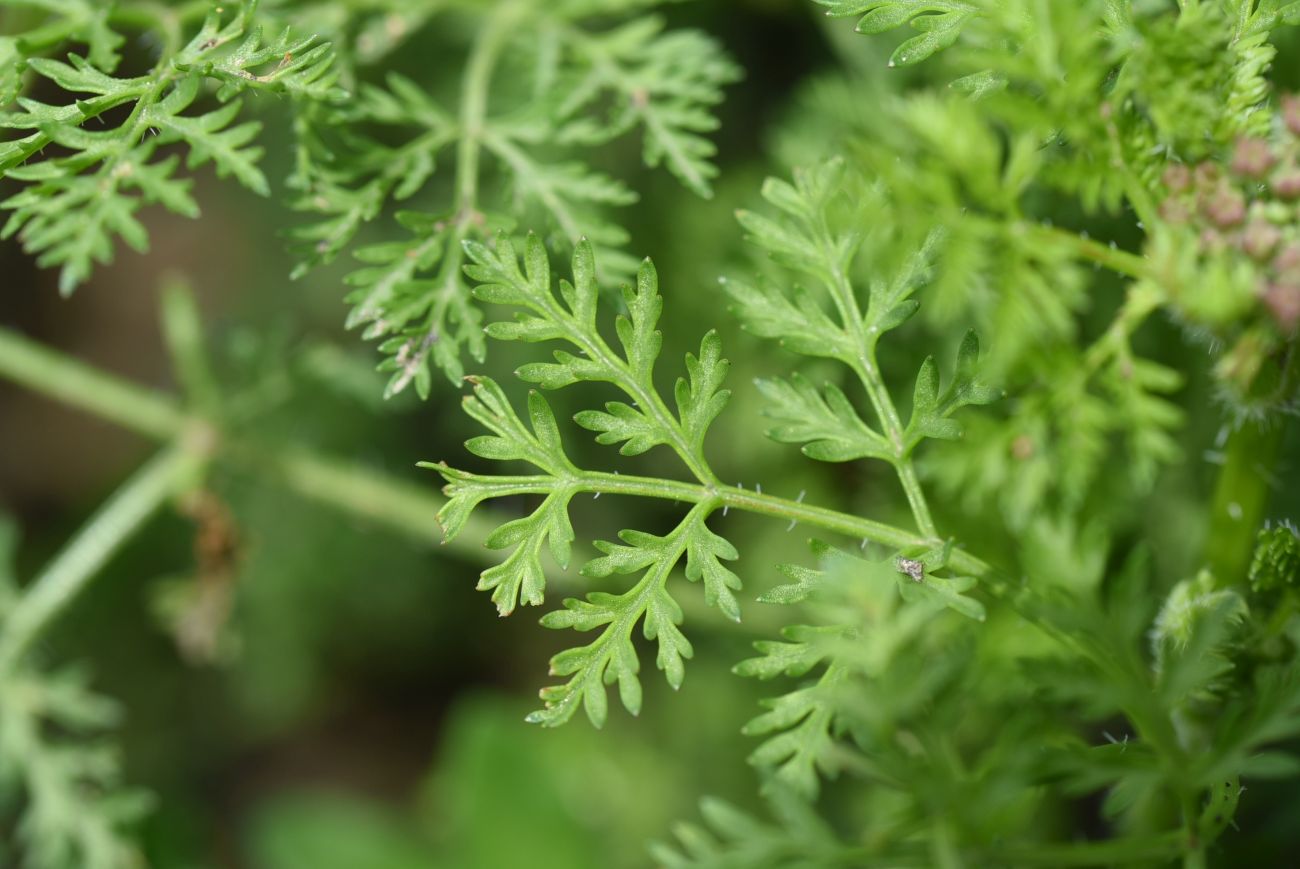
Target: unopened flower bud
{"points": [[1291, 114], [1178, 178], [1287, 185], [1175, 211], [1225, 207], [1206, 176], [1253, 158], [1283, 301], [1260, 238], [1287, 262]]}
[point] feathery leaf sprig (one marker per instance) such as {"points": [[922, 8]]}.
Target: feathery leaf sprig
{"points": [[563, 83], [79, 200]]}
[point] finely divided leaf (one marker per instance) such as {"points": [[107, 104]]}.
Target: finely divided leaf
{"points": [[664, 82], [521, 577], [931, 408], [80, 200], [642, 422], [940, 22], [611, 658], [705, 552], [637, 331], [700, 396], [826, 423]]}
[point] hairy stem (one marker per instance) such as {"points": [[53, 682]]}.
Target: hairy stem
{"points": [[73, 568], [728, 497]]}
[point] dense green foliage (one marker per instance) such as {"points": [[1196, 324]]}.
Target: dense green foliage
{"points": [[1022, 624]]}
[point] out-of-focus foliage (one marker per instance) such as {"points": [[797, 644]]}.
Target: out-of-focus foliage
{"points": [[79, 203], [53, 760]]}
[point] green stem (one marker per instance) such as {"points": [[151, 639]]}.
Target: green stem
{"points": [[1240, 499], [349, 487], [183, 331], [1142, 301], [868, 371], [1194, 848], [475, 86], [64, 379], [373, 495], [356, 489], [482, 62], [73, 569], [1120, 261], [731, 497], [866, 367]]}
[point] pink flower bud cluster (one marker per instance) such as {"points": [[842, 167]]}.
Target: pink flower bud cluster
{"points": [[1252, 207]]}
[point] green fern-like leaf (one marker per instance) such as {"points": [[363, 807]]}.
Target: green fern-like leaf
{"points": [[940, 22], [523, 152], [732, 839], [569, 315], [52, 750], [815, 235], [83, 21], [803, 728], [74, 208]]}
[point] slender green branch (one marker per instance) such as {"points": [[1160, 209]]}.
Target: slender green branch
{"points": [[1105, 255], [349, 487], [483, 59], [471, 127], [354, 488], [1142, 301], [64, 379], [1241, 498], [73, 568], [867, 369], [183, 330], [730, 497]]}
